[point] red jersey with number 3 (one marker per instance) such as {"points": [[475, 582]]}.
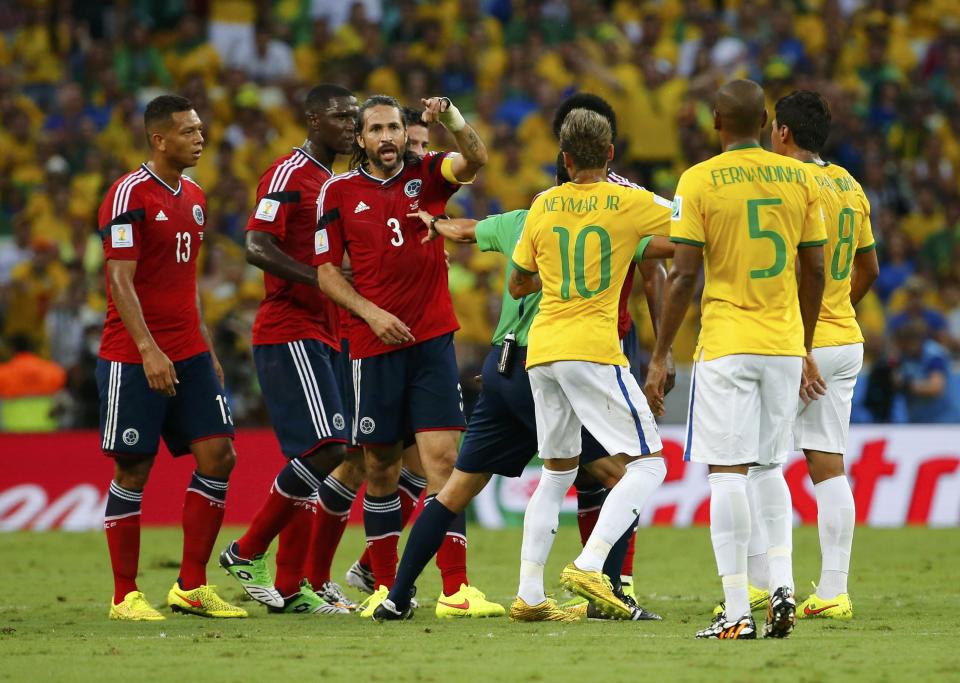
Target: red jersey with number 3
{"points": [[367, 218], [287, 208], [145, 220]]}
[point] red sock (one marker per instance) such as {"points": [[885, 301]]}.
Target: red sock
{"points": [[627, 569], [275, 514], [586, 520], [121, 522], [382, 523], [326, 534], [452, 555], [293, 546], [123, 540], [203, 509]]}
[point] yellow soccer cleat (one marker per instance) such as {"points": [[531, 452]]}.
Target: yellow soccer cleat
{"points": [[595, 587], [368, 606], [467, 602], [839, 607], [134, 607], [548, 610], [759, 599], [202, 601]]}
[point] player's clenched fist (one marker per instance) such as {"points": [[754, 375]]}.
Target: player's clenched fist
{"points": [[389, 328], [443, 111], [160, 373]]}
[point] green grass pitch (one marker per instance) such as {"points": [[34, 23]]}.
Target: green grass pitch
{"points": [[53, 624]]}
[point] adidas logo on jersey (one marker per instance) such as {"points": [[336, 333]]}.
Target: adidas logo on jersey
{"points": [[161, 216], [361, 207]]}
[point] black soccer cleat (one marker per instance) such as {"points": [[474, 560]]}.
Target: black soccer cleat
{"points": [[637, 613], [387, 611], [781, 614], [743, 628]]}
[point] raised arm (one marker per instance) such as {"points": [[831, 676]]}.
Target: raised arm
{"points": [[263, 251], [159, 370], [680, 286], [473, 153]]}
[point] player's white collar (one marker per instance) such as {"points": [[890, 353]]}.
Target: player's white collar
{"points": [[160, 180], [383, 181], [313, 159]]}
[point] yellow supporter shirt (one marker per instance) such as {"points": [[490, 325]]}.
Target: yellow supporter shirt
{"points": [[581, 239], [750, 210], [847, 213]]}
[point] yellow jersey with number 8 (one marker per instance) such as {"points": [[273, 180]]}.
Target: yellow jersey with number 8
{"points": [[847, 212], [581, 238], [750, 210]]}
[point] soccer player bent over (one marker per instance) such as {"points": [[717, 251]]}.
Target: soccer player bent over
{"points": [[800, 130], [580, 238], [401, 336], [748, 216], [157, 373], [296, 336]]}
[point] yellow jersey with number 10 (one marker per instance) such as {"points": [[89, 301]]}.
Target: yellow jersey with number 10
{"points": [[750, 210], [581, 238], [847, 213]]}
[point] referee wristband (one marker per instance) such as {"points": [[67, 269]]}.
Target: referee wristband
{"points": [[433, 221]]}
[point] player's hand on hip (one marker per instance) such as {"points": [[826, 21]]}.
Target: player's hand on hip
{"points": [[653, 388], [671, 380], [812, 385], [389, 328], [161, 375]]}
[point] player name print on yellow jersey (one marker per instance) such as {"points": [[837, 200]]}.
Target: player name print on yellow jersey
{"points": [[847, 213], [582, 238], [750, 210]]}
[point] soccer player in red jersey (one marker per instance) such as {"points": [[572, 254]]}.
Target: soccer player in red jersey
{"points": [[296, 338], [401, 336], [157, 374], [339, 489]]}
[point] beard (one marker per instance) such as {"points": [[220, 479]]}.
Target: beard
{"points": [[387, 167]]}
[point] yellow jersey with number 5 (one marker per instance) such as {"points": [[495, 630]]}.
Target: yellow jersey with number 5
{"points": [[750, 210], [847, 212], [581, 239]]}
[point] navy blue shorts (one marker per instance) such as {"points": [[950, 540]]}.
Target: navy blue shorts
{"points": [[133, 416], [343, 373], [501, 437], [301, 394], [416, 389], [630, 345]]}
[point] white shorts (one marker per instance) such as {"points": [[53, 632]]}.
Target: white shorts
{"points": [[605, 399], [823, 425], [742, 409]]}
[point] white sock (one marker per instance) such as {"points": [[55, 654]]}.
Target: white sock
{"points": [[730, 533], [776, 516], [836, 518], [758, 569], [540, 523], [620, 509]]}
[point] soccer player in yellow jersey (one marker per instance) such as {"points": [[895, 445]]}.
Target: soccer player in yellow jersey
{"points": [[748, 216], [800, 130], [578, 241]]}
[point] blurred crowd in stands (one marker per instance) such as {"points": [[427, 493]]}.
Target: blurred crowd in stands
{"points": [[74, 77]]}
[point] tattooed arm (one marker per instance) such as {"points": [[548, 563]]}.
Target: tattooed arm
{"points": [[473, 153]]}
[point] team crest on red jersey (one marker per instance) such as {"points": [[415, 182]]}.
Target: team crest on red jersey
{"points": [[412, 188], [198, 214]]}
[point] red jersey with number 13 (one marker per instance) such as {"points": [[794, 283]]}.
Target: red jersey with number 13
{"points": [[287, 209], [367, 218], [145, 220]]}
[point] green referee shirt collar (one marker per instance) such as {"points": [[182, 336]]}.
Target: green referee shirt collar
{"points": [[743, 145]]}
